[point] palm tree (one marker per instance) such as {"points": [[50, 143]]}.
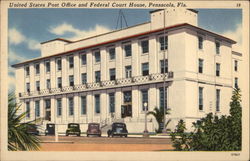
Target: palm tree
{"points": [[158, 113], [18, 137]]}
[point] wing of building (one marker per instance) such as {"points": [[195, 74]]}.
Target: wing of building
{"points": [[108, 78]]}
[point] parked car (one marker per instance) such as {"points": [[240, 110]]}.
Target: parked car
{"points": [[73, 129], [94, 129], [32, 129], [118, 129], [50, 129]]}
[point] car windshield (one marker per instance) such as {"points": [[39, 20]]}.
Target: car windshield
{"points": [[96, 126], [119, 125], [73, 125]]}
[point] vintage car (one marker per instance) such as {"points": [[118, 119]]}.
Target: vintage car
{"points": [[94, 129], [73, 129], [50, 129], [118, 129], [32, 129]]}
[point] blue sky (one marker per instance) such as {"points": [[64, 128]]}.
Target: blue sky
{"points": [[29, 27]]}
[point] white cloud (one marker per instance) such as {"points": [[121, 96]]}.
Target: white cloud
{"points": [[15, 36], [11, 82], [65, 28], [235, 35], [33, 44], [15, 57]]}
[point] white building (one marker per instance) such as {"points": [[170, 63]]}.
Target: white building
{"points": [[90, 80]]}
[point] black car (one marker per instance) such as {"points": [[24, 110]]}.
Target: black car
{"points": [[73, 129], [50, 129], [118, 129]]}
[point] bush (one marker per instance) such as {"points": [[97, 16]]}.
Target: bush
{"points": [[213, 133]]}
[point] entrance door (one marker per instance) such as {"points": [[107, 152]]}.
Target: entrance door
{"points": [[126, 110]]}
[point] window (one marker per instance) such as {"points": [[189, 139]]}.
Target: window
{"points": [[83, 105], [200, 44], [112, 53], [236, 65], [200, 66], [38, 85], [217, 100], [48, 83], [47, 65], [145, 70], [112, 102], [84, 78], [217, 45], [59, 106], [112, 74], [84, 59], [236, 82], [217, 69], [144, 46], [28, 109], [200, 98], [28, 87], [59, 82], [27, 70], [161, 93], [144, 94], [128, 50], [59, 64], [71, 61], [37, 66], [97, 103], [37, 108], [127, 97], [97, 76], [162, 66], [71, 80], [128, 71], [47, 103], [163, 42], [97, 56], [71, 106]]}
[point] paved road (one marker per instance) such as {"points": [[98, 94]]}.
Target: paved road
{"points": [[72, 143]]}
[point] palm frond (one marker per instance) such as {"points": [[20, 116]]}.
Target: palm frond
{"points": [[18, 136]]}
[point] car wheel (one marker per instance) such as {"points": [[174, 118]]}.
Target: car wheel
{"points": [[67, 134], [78, 134], [87, 135], [126, 136], [100, 135]]}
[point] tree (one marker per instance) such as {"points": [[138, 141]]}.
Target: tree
{"points": [[18, 136], [212, 133], [158, 113], [179, 138]]}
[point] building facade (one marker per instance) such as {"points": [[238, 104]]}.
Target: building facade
{"points": [[108, 77]]}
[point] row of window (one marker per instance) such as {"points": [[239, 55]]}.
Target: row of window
{"points": [[201, 105], [217, 72], [112, 74], [111, 51], [127, 98], [200, 67], [200, 44]]}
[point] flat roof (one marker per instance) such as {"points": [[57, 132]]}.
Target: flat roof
{"points": [[177, 26]]}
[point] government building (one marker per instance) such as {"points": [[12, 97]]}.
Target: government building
{"points": [[109, 77]]}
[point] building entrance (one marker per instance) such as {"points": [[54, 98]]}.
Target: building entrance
{"points": [[126, 110]]}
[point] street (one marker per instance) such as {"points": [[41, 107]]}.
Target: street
{"points": [[72, 143]]}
